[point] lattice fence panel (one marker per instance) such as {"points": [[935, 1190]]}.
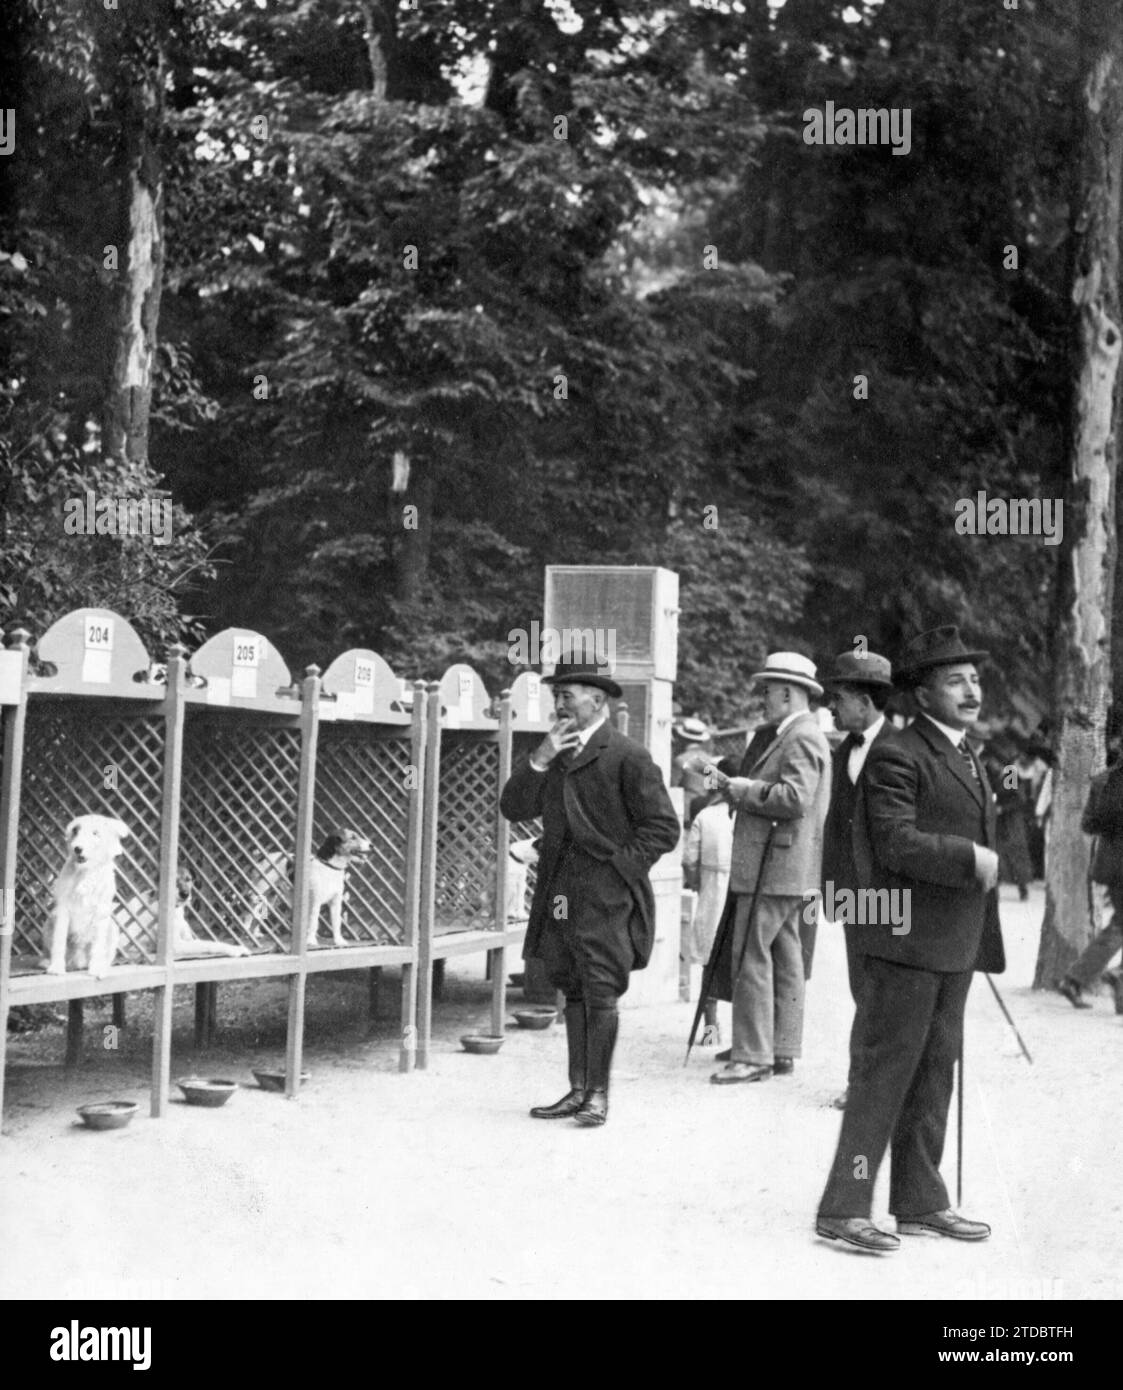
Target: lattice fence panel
{"points": [[70, 755], [238, 830], [469, 796], [521, 746], [362, 785]]}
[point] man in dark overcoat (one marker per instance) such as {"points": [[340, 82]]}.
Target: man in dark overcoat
{"points": [[606, 819], [925, 843]]}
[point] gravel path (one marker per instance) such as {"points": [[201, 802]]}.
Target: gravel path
{"points": [[438, 1185]]}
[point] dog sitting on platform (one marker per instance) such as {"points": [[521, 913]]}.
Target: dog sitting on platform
{"points": [[327, 877], [186, 943], [84, 931]]}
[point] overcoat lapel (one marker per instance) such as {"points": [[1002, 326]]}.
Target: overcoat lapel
{"points": [[592, 749], [954, 760]]}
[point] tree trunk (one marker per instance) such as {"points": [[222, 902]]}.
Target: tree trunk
{"points": [[140, 265], [1082, 670], [415, 531], [378, 31]]}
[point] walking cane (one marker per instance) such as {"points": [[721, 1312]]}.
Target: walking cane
{"points": [[959, 1133], [1009, 1020], [719, 946]]}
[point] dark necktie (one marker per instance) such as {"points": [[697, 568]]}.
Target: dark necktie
{"points": [[965, 754], [856, 740]]}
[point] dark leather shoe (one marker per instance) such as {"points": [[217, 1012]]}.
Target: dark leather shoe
{"points": [[943, 1223], [858, 1231], [726, 1056], [562, 1109], [783, 1066], [1074, 993], [594, 1111]]}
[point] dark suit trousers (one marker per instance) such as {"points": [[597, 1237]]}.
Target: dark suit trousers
{"points": [[855, 962], [906, 1037]]}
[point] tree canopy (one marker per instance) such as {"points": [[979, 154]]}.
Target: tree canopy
{"points": [[454, 291]]}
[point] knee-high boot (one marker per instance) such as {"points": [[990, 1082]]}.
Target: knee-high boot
{"points": [[603, 1026], [576, 1038]]}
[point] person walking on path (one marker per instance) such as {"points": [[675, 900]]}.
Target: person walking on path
{"points": [[925, 833], [706, 859], [1103, 817], [606, 818]]}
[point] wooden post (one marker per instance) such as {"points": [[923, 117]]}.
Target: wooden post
{"points": [[120, 1019], [200, 1014], [305, 806], [498, 957], [175, 714], [15, 718], [415, 834], [430, 809], [74, 1020]]}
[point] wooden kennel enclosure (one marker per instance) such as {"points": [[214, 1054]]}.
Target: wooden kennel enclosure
{"points": [[224, 764]]}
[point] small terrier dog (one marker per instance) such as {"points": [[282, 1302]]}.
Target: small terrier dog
{"points": [[327, 877], [186, 943]]}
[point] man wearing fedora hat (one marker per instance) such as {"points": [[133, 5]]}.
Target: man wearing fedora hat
{"points": [[606, 819], [860, 686], [777, 848], [924, 829]]}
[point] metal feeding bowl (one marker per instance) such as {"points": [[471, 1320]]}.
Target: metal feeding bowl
{"points": [[535, 1018], [211, 1092], [275, 1080], [108, 1114], [484, 1044]]}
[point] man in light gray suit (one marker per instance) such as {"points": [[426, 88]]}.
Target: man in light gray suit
{"points": [[783, 799]]}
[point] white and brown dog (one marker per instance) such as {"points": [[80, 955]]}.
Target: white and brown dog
{"points": [[186, 944], [327, 878], [84, 931]]}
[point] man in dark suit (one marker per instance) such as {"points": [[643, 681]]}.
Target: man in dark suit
{"points": [[925, 836], [606, 819], [859, 687]]}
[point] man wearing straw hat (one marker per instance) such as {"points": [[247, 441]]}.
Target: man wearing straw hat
{"points": [[606, 819], [777, 850], [925, 834]]}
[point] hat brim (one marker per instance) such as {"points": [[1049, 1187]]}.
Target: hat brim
{"points": [[876, 682], [688, 738], [905, 674], [605, 683], [783, 678]]}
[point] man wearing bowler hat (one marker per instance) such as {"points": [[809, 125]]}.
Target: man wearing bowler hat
{"points": [[606, 819], [777, 848], [925, 831], [859, 690]]}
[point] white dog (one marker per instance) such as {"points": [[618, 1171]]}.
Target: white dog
{"points": [[522, 854], [84, 930], [327, 879]]}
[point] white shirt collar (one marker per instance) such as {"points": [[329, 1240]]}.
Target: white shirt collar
{"points": [[856, 759], [789, 719], [586, 734], [954, 736]]}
